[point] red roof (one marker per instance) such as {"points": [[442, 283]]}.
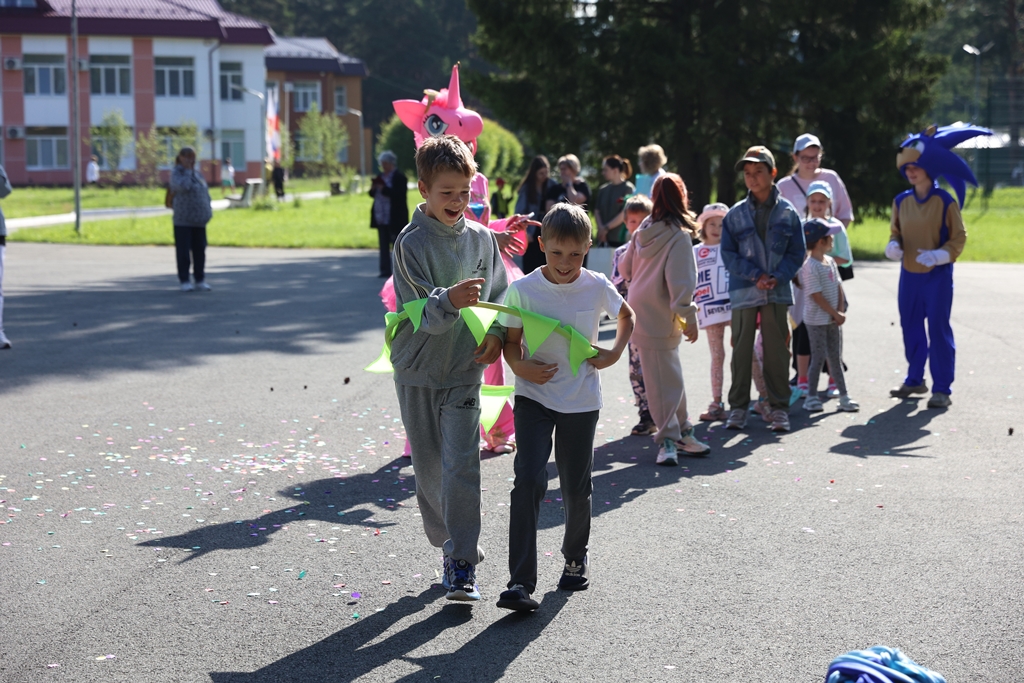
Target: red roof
{"points": [[171, 18]]}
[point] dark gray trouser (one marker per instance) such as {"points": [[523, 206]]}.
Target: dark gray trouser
{"points": [[574, 457], [826, 343], [190, 241], [443, 428], [775, 335]]}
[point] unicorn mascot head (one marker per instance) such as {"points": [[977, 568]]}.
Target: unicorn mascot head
{"points": [[931, 150], [439, 113]]}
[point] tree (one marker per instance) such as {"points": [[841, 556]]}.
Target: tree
{"points": [[708, 78], [111, 140], [324, 136], [499, 152], [408, 45], [150, 155]]}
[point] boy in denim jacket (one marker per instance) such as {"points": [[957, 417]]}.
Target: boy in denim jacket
{"points": [[763, 249]]}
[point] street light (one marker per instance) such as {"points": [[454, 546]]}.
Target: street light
{"points": [[263, 130], [362, 157], [971, 50]]}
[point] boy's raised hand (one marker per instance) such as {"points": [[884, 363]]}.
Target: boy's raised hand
{"points": [[535, 371], [489, 351], [604, 358], [466, 293]]}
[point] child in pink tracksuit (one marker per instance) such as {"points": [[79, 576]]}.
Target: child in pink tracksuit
{"points": [[662, 274]]}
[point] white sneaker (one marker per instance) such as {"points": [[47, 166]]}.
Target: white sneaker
{"points": [[689, 444], [187, 287], [848, 405], [5, 343], [667, 454], [812, 404], [203, 287]]}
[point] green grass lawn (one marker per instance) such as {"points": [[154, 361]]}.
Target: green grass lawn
{"points": [[330, 223], [994, 233]]}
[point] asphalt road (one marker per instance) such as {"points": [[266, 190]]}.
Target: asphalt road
{"points": [[206, 487]]}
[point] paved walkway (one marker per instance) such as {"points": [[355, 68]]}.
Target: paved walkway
{"points": [[13, 224], [207, 487]]}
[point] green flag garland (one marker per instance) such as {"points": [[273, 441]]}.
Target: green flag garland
{"points": [[536, 329]]}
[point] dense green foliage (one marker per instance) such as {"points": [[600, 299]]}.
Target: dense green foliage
{"points": [[323, 137], [499, 152], [707, 79]]}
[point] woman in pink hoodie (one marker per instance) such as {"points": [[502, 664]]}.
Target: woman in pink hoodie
{"points": [[662, 274]]}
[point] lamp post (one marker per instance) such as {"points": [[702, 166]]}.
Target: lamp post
{"points": [[970, 49], [76, 151], [362, 156], [263, 130]]}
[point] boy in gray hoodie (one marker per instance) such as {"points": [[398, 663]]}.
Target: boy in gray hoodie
{"points": [[453, 263]]}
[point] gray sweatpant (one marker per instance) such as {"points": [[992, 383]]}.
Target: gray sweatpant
{"points": [[826, 343], [443, 428]]}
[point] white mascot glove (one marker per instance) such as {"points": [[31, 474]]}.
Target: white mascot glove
{"points": [[893, 252], [932, 258]]}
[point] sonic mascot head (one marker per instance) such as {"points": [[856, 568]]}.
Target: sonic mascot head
{"points": [[930, 150]]}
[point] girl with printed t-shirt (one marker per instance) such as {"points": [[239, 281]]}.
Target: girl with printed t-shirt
{"points": [[714, 312]]}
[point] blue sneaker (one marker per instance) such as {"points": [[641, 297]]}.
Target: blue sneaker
{"points": [[460, 580]]}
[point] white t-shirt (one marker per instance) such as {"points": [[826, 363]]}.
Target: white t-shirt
{"points": [[712, 293], [579, 304], [819, 277]]}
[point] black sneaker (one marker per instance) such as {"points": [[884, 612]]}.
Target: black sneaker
{"points": [[460, 580], [576, 575], [517, 599]]}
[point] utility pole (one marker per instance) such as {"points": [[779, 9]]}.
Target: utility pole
{"points": [[76, 152]]}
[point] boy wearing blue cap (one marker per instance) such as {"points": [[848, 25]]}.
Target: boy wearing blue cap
{"points": [[824, 308]]}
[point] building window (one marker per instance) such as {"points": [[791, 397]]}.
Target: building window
{"points": [[305, 94], [45, 74], [46, 148], [303, 150], [340, 100], [232, 146], [175, 77], [231, 81], [17, 3], [343, 154], [110, 75]]}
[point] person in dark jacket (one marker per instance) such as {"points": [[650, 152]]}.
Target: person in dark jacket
{"points": [[390, 212], [192, 211], [5, 189]]}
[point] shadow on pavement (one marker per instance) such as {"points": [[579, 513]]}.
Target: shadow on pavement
{"points": [[350, 501], [145, 323], [891, 433], [349, 654]]}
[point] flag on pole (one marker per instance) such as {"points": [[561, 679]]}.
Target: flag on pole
{"points": [[273, 127]]}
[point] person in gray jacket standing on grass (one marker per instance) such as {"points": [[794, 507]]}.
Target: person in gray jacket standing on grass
{"points": [[5, 189], [192, 211]]}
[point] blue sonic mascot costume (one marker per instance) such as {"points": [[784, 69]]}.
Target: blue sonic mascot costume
{"points": [[927, 236]]}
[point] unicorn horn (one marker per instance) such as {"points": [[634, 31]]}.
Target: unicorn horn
{"points": [[454, 98]]}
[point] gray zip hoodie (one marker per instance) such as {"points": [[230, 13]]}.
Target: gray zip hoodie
{"points": [[429, 258]]}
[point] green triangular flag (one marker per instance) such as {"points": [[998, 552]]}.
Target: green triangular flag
{"points": [[536, 328], [579, 350], [415, 311], [382, 365], [492, 400], [479, 321], [391, 326]]}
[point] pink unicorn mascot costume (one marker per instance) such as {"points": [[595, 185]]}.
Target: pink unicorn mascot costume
{"points": [[440, 113]]}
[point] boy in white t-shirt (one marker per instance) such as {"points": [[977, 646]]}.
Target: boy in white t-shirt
{"points": [[550, 398]]}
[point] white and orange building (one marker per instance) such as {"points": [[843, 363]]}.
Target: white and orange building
{"points": [[160, 62]]}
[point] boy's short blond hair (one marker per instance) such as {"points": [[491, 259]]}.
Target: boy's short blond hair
{"points": [[566, 222], [443, 153], [638, 203]]}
